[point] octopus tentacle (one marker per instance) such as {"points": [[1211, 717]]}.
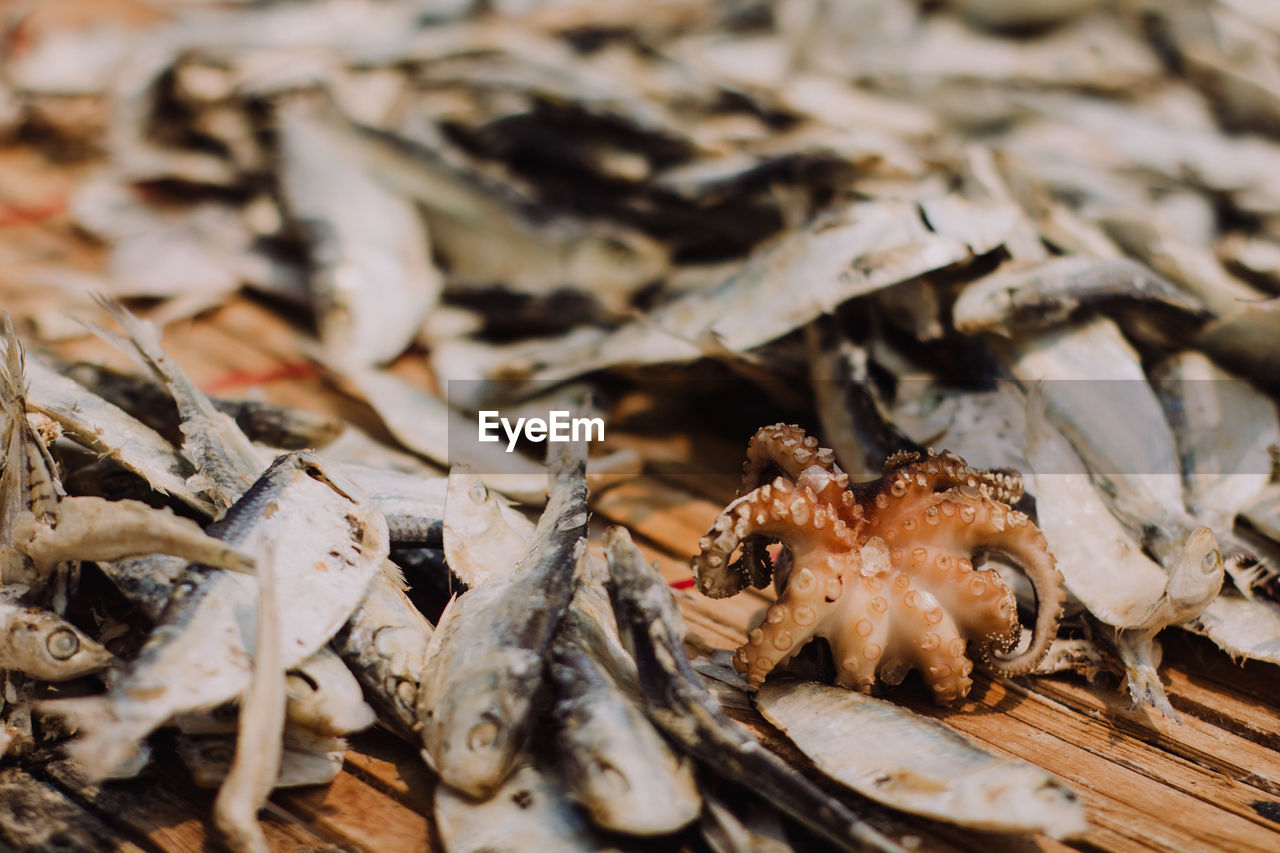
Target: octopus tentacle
{"points": [[787, 448], [931, 641], [787, 624], [860, 635], [885, 569], [778, 510], [983, 606], [908, 472]]}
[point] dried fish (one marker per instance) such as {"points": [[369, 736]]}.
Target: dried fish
{"points": [[486, 235], [198, 656], [1097, 393], [615, 763], [1057, 289], [916, 764], [284, 427], [42, 645], [88, 528], [29, 485], [854, 251], [476, 699], [372, 278], [677, 703], [1106, 569], [413, 506], [1223, 427], [1242, 628], [385, 644], [258, 742], [108, 430], [306, 759], [528, 813], [226, 461], [484, 537], [324, 697]]}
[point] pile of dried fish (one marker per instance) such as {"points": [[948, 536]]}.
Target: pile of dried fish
{"points": [[1043, 235], [281, 598]]}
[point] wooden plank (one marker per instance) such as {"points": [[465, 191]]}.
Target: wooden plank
{"points": [[1152, 809], [170, 812], [359, 815], [37, 816], [671, 518], [1195, 740], [394, 767]]}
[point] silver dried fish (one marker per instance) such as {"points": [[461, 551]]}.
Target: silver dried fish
{"points": [[372, 280], [307, 759], [615, 763], [528, 813], [916, 764], [198, 656], [476, 698], [413, 505], [385, 645], [226, 461]]}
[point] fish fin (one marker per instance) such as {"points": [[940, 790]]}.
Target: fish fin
{"points": [[395, 574], [106, 742], [11, 370]]}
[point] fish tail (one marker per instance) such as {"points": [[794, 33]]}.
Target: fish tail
{"points": [[11, 370], [106, 741], [141, 340]]}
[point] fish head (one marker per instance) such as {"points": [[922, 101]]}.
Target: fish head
{"points": [[1196, 576], [474, 733], [45, 646]]}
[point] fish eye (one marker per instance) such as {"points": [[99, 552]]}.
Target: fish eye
{"points": [[1211, 561], [63, 644], [482, 736]]}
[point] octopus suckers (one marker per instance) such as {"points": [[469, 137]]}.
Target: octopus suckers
{"points": [[863, 628], [805, 580], [879, 605], [871, 651], [782, 641], [832, 588], [956, 647], [805, 615], [929, 641]]}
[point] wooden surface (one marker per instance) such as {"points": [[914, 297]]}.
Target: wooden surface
{"points": [[1211, 780]]}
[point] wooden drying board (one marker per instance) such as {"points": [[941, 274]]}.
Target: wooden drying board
{"points": [[1210, 781]]}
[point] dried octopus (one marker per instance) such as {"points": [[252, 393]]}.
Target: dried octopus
{"points": [[882, 570]]}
